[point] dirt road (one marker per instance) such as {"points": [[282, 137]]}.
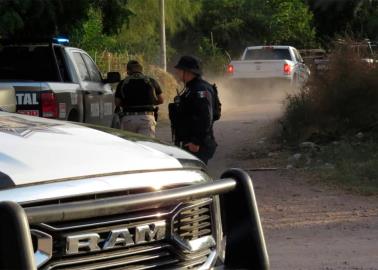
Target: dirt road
{"points": [[307, 225]]}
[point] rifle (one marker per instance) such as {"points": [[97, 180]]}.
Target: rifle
{"points": [[117, 116], [174, 117], [156, 113]]}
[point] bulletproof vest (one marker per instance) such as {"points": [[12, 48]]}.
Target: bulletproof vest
{"points": [[137, 91]]}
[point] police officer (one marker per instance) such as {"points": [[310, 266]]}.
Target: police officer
{"points": [[138, 95], [195, 127]]}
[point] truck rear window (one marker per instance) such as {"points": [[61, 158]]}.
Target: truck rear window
{"points": [[28, 63], [268, 54]]}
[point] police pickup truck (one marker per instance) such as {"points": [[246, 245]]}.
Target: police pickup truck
{"points": [[73, 197], [53, 80]]}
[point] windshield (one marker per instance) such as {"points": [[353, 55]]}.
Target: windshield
{"points": [[267, 54], [27, 63]]}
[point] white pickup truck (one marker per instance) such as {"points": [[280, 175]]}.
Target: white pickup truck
{"points": [[53, 80], [73, 197], [283, 63]]}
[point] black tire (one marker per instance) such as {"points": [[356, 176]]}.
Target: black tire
{"points": [[73, 116]]}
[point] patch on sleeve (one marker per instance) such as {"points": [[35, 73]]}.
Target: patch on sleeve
{"points": [[202, 94]]}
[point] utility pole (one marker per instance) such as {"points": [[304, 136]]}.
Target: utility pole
{"points": [[163, 50]]}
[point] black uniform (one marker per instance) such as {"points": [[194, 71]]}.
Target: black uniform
{"points": [[138, 93], [196, 118]]}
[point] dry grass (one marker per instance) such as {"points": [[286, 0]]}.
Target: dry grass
{"points": [[341, 101], [356, 166], [335, 106], [169, 85]]}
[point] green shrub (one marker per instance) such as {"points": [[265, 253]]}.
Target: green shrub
{"points": [[213, 58], [341, 101], [298, 115]]}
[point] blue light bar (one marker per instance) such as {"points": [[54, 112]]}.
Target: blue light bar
{"points": [[61, 40]]}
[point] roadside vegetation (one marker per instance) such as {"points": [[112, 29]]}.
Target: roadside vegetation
{"points": [[340, 101], [213, 30], [337, 113], [354, 165]]}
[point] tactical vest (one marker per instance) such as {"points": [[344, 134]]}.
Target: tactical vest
{"points": [[138, 93]]}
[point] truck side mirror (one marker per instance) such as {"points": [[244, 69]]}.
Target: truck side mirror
{"points": [[112, 77]]}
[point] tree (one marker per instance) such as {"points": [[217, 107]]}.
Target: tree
{"points": [[90, 35], [349, 17], [365, 22], [27, 18], [141, 35], [235, 24], [114, 14], [290, 23]]}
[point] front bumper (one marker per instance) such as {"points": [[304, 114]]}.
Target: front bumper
{"points": [[244, 240]]}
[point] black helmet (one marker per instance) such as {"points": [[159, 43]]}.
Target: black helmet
{"points": [[191, 64]]}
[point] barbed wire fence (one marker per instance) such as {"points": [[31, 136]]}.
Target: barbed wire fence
{"points": [[107, 61]]}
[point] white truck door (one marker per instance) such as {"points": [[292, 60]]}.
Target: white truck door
{"points": [[106, 97], [91, 95]]}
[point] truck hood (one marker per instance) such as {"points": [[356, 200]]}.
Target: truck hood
{"points": [[34, 150]]}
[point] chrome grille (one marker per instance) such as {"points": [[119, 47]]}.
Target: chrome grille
{"points": [[188, 221], [155, 256], [193, 222]]}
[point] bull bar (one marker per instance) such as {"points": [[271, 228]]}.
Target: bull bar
{"points": [[245, 244]]}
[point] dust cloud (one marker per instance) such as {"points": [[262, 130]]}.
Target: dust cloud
{"points": [[235, 95]]}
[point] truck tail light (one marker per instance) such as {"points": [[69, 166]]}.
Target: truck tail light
{"points": [[230, 69], [49, 105], [287, 69]]}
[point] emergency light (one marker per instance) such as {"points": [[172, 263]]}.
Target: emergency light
{"points": [[61, 40]]}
